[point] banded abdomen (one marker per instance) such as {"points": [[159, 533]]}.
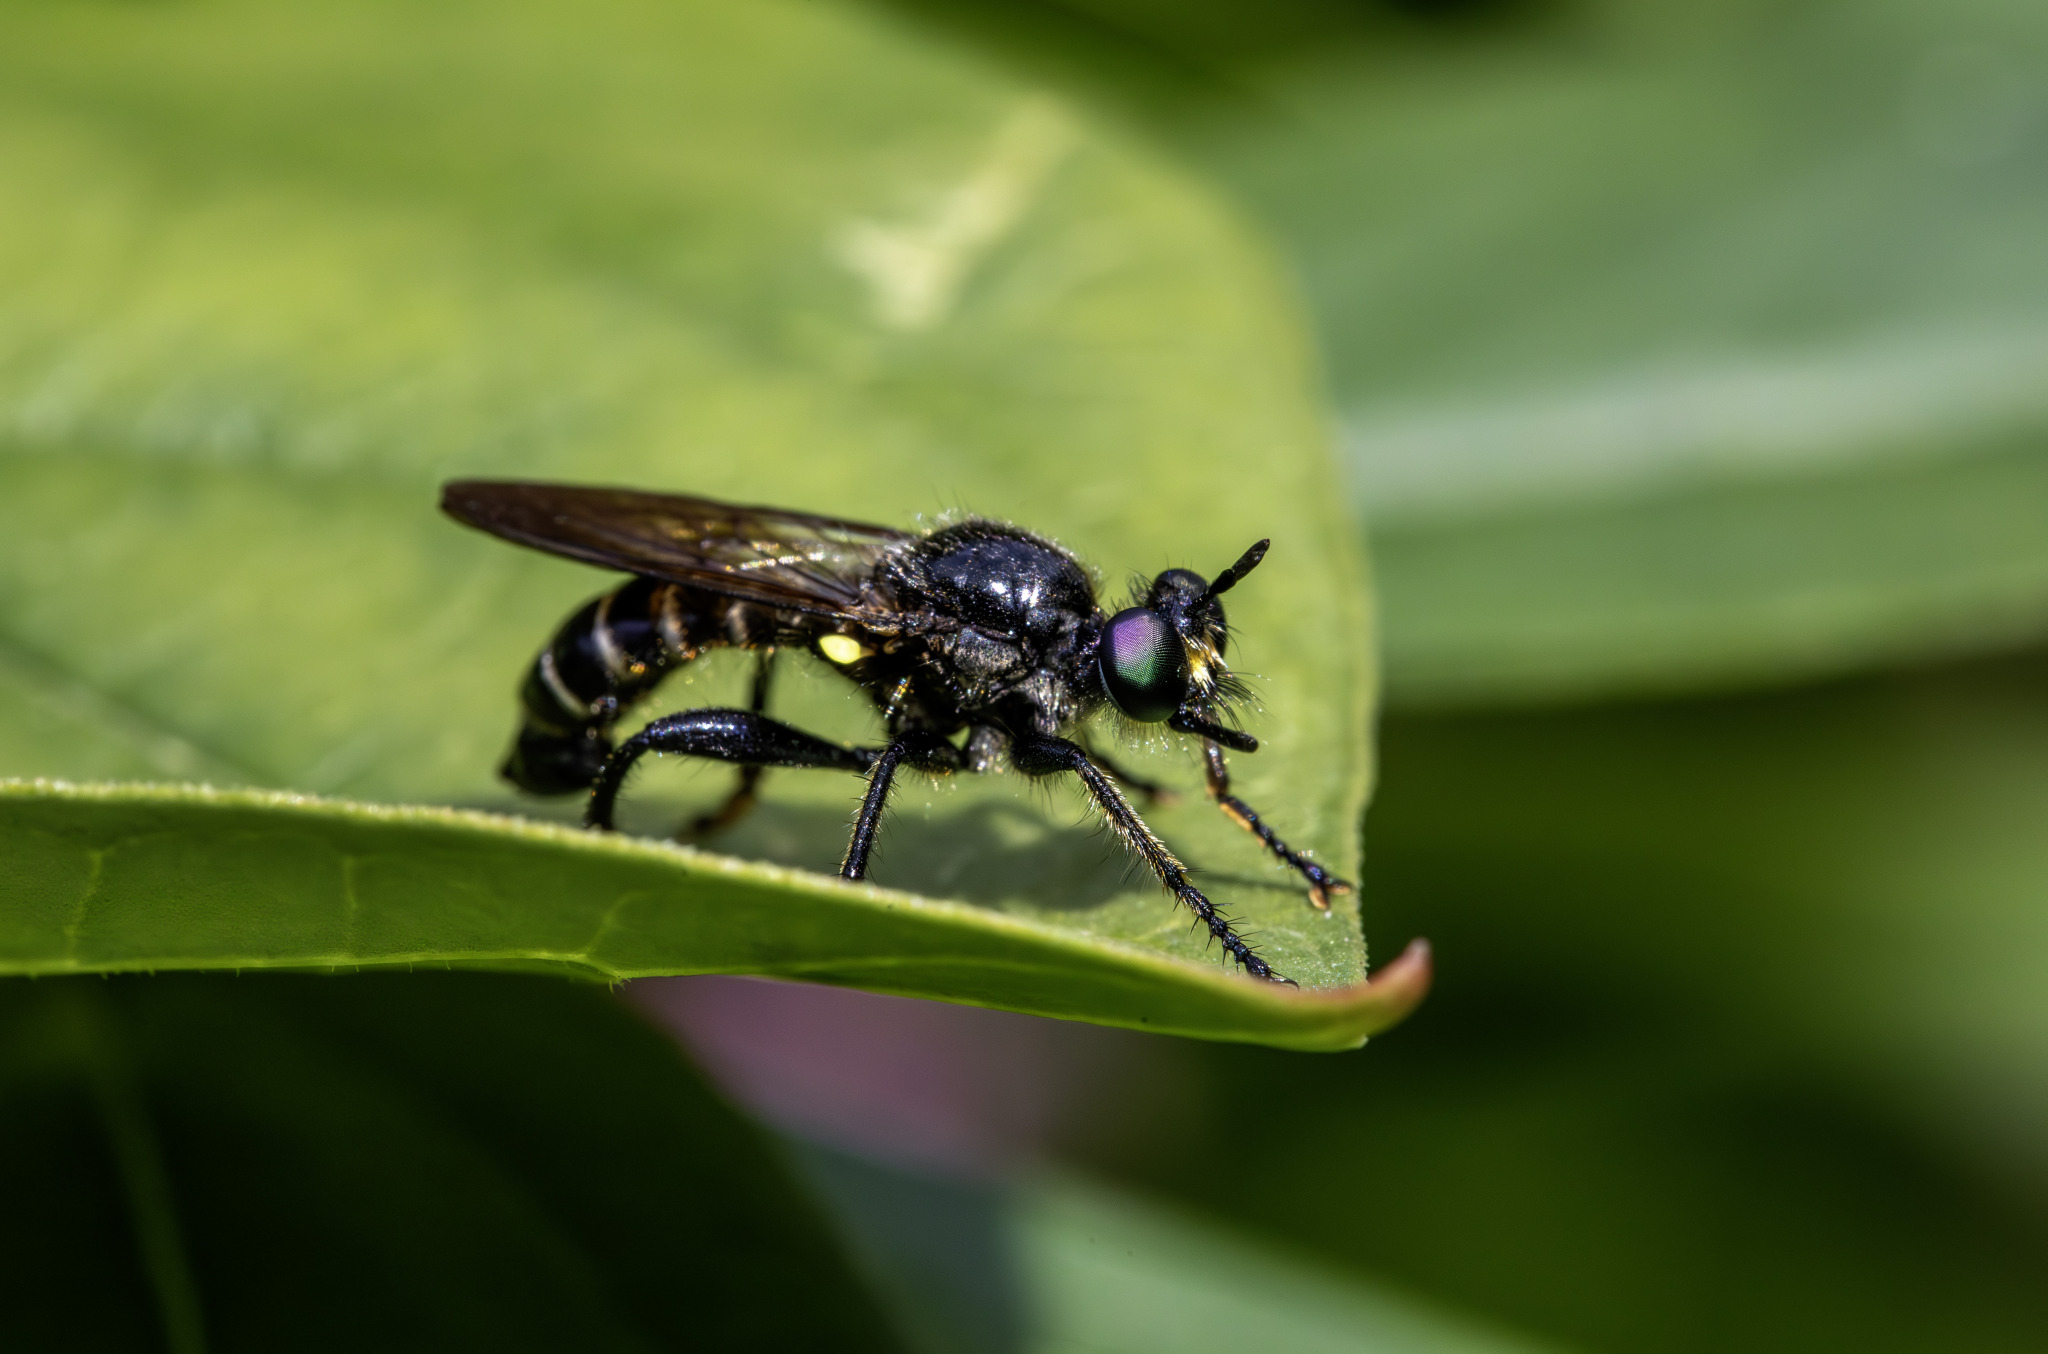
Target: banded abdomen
{"points": [[605, 657]]}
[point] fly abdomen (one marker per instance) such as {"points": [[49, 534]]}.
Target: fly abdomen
{"points": [[606, 656]]}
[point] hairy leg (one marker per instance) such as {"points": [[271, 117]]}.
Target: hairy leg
{"points": [[1321, 883], [1150, 792], [919, 748], [1051, 756]]}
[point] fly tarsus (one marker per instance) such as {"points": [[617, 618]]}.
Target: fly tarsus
{"points": [[1321, 883]]}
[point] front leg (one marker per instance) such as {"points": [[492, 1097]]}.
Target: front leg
{"points": [[1150, 792], [1040, 756], [1321, 883]]}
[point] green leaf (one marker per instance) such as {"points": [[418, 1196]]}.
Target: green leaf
{"points": [[291, 266], [1674, 344], [1084, 1267], [424, 1162], [1733, 369], [1115, 1275], [127, 878]]}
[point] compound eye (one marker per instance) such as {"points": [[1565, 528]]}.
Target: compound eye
{"points": [[1143, 664]]}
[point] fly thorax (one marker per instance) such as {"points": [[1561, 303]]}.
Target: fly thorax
{"points": [[982, 658], [1000, 579]]}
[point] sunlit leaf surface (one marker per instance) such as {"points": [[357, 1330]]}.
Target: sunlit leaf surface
{"points": [[288, 267]]}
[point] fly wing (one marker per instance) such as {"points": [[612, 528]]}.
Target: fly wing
{"points": [[789, 560]]}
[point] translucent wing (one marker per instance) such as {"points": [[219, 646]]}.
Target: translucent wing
{"points": [[788, 560]]}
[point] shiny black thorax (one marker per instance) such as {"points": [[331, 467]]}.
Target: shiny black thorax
{"points": [[999, 631]]}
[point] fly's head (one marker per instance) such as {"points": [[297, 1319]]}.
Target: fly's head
{"points": [[1161, 661]]}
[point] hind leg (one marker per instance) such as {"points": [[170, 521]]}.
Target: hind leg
{"points": [[738, 736], [745, 794]]}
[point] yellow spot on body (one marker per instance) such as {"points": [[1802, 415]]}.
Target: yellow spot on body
{"points": [[1202, 662], [843, 649]]}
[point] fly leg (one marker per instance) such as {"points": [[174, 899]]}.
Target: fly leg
{"points": [[1321, 883], [917, 747], [738, 736], [1149, 792], [743, 797], [1041, 756]]}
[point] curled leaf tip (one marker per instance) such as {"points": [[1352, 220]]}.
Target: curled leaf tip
{"points": [[1405, 982], [1382, 1001]]}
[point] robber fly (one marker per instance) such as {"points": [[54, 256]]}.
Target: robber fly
{"points": [[979, 642]]}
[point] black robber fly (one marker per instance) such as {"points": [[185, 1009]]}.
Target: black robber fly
{"points": [[979, 643]]}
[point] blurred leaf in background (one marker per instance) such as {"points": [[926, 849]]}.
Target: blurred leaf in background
{"points": [[1101, 1272], [1673, 344], [927, 1127], [1741, 1038], [421, 1161], [1681, 345], [454, 1161], [289, 266]]}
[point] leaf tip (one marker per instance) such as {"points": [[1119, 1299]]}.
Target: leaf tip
{"points": [[1386, 998], [1400, 987]]}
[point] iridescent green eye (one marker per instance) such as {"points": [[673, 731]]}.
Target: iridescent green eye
{"points": [[1143, 664]]}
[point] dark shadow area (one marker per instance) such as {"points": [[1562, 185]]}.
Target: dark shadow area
{"points": [[424, 1161], [1146, 55], [939, 1248], [71, 1274], [985, 853]]}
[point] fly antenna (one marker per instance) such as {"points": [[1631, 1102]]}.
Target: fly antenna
{"points": [[1234, 575]]}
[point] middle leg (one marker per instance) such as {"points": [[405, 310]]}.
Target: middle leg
{"points": [[918, 747]]}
